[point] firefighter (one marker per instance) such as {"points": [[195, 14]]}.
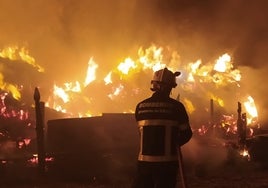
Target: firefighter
{"points": [[163, 125]]}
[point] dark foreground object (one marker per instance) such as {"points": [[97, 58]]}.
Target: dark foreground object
{"points": [[102, 147], [101, 152], [258, 148]]}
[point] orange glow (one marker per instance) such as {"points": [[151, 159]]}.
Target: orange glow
{"points": [[189, 106], [116, 92], [218, 100]]}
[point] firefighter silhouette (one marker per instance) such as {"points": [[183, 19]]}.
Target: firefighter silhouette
{"points": [[163, 125]]}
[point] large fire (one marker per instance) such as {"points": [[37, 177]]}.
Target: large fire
{"points": [[123, 82], [128, 82]]}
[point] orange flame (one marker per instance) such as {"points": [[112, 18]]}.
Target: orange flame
{"points": [[223, 63], [251, 109], [245, 153], [108, 78], [16, 53], [151, 58], [220, 73], [125, 66], [9, 88], [116, 92], [91, 71]]}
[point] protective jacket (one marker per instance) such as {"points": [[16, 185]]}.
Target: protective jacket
{"points": [[164, 125]]}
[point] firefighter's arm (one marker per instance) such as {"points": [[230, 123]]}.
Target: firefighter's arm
{"points": [[185, 134]]}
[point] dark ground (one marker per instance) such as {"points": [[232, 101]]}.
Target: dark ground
{"points": [[209, 163], [232, 174], [206, 167]]}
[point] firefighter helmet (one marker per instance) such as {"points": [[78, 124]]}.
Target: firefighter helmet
{"points": [[164, 77]]}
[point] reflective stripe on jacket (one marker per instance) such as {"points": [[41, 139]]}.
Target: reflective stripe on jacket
{"points": [[157, 140], [161, 120]]}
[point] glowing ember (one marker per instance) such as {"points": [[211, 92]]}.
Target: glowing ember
{"points": [[27, 141], [34, 159], [8, 112], [244, 152]]}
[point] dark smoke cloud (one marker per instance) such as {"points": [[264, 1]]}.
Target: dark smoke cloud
{"points": [[63, 34]]}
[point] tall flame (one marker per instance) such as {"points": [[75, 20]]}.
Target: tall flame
{"points": [[152, 58], [251, 110], [9, 88], [223, 63], [125, 66], [16, 53], [91, 71], [119, 83], [108, 78], [222, 73]]}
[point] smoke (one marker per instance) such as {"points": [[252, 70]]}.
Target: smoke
{"points": [[63, 34], [204, 155]]}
